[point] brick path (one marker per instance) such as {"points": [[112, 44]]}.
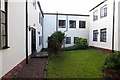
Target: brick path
{"points": [[35, 69]]}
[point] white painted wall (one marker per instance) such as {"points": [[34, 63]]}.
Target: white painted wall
{"points": [[118, 17], [16, 37], [50, 27], [34, 22], [106, 22], [12, 56], [101, 23]]}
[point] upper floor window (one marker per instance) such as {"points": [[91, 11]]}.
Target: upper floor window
{"points": [[95, 35], [103, 35], [95, 15], [62, 23], [3, 27], [34, 3], [72, 23], [82, 24], [103, 11]]}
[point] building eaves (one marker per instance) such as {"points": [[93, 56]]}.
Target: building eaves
{"points": [[98, 5], [65, 14], [40, 8]]}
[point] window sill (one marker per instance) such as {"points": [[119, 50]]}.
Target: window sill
{"points": [[4, 48]]}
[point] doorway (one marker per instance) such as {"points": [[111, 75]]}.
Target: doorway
{"points": [[33, 41]]}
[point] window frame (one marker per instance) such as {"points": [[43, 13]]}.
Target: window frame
{"points": [[62, 26], [95, 35], [5, 23], [101, 11], [95, 15], [81, 24], [68, 40], [103, 35], [72, 24], [75, 38]]}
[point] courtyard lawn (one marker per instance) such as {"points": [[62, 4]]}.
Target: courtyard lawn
{"points": [[76, 64]]}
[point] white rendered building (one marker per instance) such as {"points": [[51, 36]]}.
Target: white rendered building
{"points": [[20, 30], [104, 31], [73, 25]]}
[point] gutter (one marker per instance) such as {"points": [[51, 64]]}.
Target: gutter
{"points": [[26, 32], [113, 26]]}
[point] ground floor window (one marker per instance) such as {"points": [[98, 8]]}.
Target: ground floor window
{"points": [[68, 40], [103, 35], [75, 39], [40, 40], [3, 27], [95, 35]]}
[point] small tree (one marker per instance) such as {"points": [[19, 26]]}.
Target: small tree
{"points": [[55, 42]]}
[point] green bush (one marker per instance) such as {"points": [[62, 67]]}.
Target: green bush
{"points": [[112, 61], [55, 42], [81, 43]]}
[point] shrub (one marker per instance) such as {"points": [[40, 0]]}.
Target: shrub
{"points": [[112, 61], [81, 43], [55, 42]]}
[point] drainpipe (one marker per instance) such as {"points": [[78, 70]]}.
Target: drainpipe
{"points": [[57, 21], [26, 32], [113, 26], [67, 25], [42, 32]]}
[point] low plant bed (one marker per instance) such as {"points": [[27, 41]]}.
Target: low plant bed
{"points": [[112, 74]]}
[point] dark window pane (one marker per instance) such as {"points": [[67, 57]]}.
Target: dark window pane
{"points": [[68, 40], [103, 12], [95, 15], [2, 29], [103, 35], [3, 41], [72, 24], [2, 17], [95, 35], [82, 24], [62, 23], [75, 39]]}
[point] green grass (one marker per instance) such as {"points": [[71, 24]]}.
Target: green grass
{"points": [[76, 64]]}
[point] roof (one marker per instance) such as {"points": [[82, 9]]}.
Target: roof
{"points": [[65, 14], [40, 8], [98, 5]]}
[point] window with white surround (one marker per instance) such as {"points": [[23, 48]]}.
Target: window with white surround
{"points": [[34, 3], [68, 40], [103, 35], [95, 15], [75, 39], [82, 24], [62, 23], [40, 40], [95, 35], [103, 11], [3, 25], [72, 23]]}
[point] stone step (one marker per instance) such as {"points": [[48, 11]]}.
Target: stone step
{"points": [[40, 55]]}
